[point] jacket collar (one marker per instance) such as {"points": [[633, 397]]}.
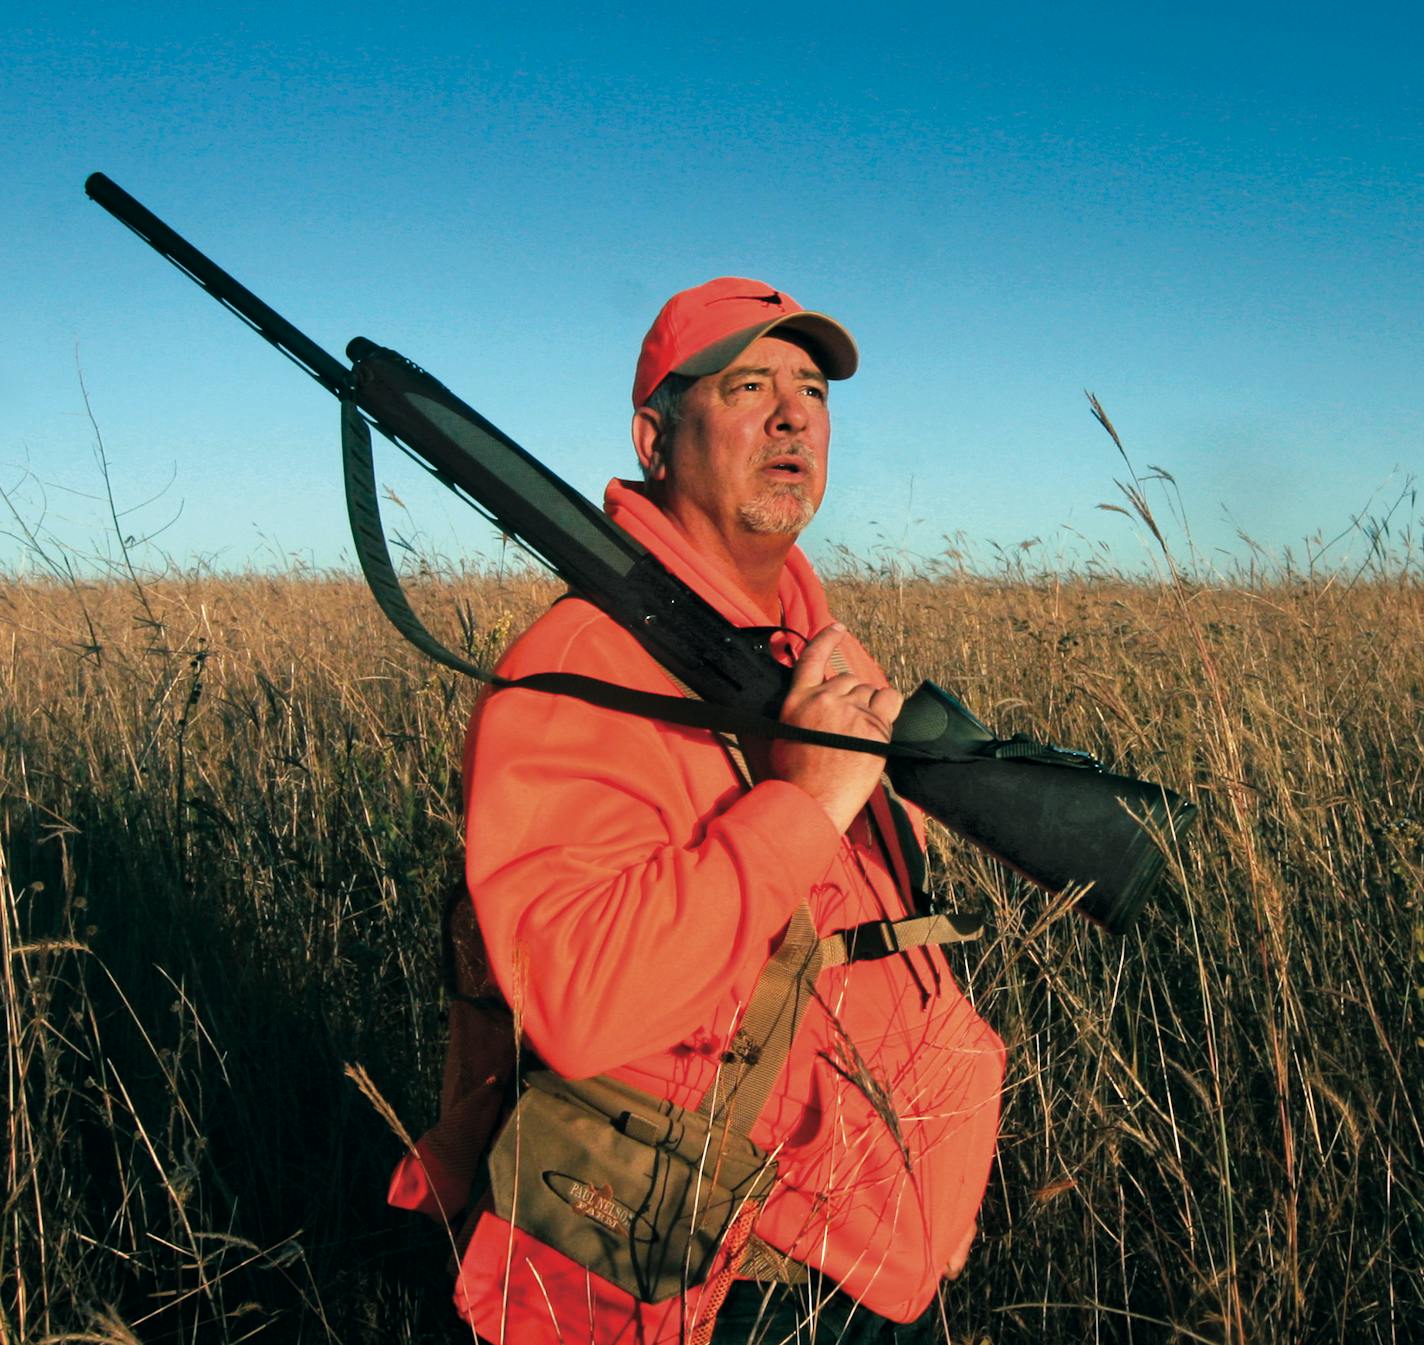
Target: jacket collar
{"points": [[803, 600]]}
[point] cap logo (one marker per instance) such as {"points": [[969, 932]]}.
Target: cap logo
{"points": [[773, 299]]}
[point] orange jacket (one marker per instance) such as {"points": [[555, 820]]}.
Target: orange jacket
{"points": [[629, 890]]}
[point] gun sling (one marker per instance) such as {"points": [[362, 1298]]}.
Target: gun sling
{"points": [[691, 711]]}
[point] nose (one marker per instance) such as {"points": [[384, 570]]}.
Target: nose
{"points": [[789, 414]]}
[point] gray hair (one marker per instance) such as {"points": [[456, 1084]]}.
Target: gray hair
{"points": [[666, 400]]}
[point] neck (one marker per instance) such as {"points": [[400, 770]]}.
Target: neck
{"points": [[760, 576], [754, 560]]}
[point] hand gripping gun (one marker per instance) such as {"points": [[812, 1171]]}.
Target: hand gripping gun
{"points": [[1054, 816]]}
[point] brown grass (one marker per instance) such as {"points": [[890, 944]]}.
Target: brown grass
{"points": [[229, 808]]}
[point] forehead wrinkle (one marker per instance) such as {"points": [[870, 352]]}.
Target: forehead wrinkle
{"points": [[737, 370], [809, 373]]}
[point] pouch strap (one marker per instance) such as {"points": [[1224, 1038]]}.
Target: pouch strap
{"points": [[762, 1042], [762, 1262], [884, 938]]}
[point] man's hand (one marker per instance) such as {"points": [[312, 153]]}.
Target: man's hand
{"points": [[840, 782]]}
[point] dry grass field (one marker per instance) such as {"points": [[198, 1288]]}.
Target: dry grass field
{"points": [[230, 806]]}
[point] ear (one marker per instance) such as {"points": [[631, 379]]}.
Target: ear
{"points": [[648, 443]]}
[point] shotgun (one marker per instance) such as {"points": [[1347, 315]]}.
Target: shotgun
{"points": [[1053, 815]]}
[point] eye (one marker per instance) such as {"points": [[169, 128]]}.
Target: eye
{"points": [[815, 390]]}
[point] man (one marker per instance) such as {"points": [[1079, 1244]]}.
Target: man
{"points": [[630, 884]]}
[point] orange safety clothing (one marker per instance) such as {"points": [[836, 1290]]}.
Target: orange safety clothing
{"points": [[629, 889]]}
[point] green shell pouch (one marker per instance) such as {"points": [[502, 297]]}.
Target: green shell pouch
{"points": [[635, 1189]]}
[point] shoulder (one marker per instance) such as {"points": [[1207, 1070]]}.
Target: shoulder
{"points": [[575, 636]]}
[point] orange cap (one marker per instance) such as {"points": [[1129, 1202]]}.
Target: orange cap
{"points": [[702, 330]]}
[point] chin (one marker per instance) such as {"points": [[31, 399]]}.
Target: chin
{"points": [[784, 511]]}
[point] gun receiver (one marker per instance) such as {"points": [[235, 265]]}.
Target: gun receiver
{"points": [[1055, 817]]}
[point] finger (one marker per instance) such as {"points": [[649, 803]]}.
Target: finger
{"points": [[886, 704], [810, 669], [852, 688], [865, 694]]}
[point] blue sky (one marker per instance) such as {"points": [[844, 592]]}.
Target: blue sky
{"points": [[1210, 218]]}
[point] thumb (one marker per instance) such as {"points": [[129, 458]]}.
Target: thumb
{"points": [[811, 667]]}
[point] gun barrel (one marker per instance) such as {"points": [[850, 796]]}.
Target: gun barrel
{"points": [[334, 376], [475, 458]]}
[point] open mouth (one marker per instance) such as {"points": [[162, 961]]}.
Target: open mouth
{"points": [[786, 469]]}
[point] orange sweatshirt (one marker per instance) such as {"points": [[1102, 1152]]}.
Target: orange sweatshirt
{"points": [[629, 890]]}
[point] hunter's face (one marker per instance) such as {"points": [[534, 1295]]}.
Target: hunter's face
{"points": [[750, 451]]}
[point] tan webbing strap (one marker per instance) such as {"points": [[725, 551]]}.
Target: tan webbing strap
{"points": [[757, 1052], [755, 1056], [882, 938], [761, 1261], [732, 746]]}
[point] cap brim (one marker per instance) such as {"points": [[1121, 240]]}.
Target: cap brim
{"points": [[831, 343]]}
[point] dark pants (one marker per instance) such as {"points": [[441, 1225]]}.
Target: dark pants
{"points": [[761, 1314]]}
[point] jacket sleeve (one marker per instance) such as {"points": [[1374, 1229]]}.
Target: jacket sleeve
{"points": [[625, 882]]}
